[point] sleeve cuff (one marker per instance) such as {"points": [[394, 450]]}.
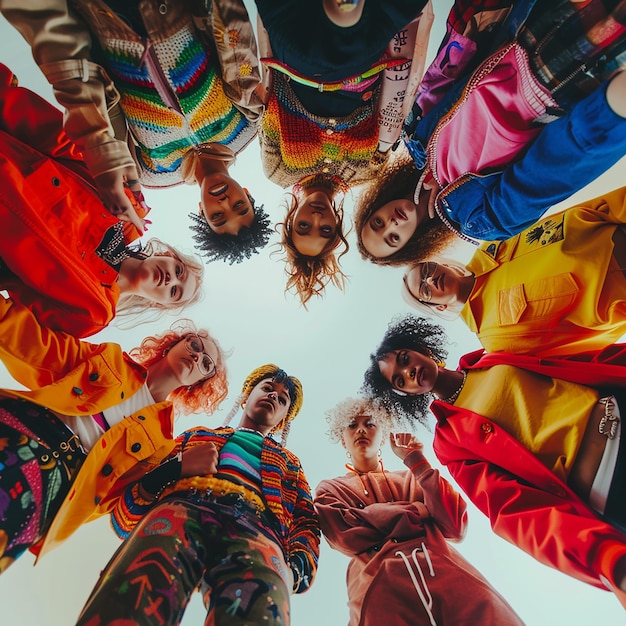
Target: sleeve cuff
{"points": [[416, 462], [107, 157]]}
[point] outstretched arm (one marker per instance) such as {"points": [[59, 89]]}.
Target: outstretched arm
{"points": [[568, 154], [61, 45]]}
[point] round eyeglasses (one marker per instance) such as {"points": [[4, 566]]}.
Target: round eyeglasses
{"points": [[193, 344], [424, 292]]}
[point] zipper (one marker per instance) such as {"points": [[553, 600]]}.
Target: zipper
{"points": [[583, 67], [161, 83]]}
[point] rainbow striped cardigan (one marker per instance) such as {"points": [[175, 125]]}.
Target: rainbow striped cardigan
{"points": [[296, 143], [170, 86], [285, 491]]}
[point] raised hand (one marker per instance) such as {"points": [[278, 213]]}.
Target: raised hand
{"points": [[403, 443]]}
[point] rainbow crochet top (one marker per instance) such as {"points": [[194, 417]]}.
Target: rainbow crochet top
{"points": [[167, 117], [308, 143], [283, 486]]}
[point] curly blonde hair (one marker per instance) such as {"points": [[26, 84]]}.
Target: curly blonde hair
{"points": [[201, 397], [131, 305], [343, 413], [399, 180], [308, 276]]}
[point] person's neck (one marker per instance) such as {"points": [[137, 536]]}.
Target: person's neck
{"points": [[466, 285], [264, 429], [206, 166], [128, 269], [447, 383], [328, 192], [322, 181], [160, 380], [362, 465]]}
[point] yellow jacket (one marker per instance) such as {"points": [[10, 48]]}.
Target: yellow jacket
{"points": [[74, 377], [555, 288]]}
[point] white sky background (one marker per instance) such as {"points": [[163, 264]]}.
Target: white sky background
{"points": [[327, 347]]}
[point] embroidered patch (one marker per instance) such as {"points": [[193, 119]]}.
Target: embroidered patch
{"points": [[545, 233], [245, 69], [233, 38]]}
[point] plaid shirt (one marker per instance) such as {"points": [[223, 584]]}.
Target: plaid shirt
{"points": [[586, 47]]}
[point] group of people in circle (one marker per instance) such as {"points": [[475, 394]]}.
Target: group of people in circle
{"points": [[523, 105]]}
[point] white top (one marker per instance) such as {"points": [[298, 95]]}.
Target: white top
{"points": [[88, 429]]}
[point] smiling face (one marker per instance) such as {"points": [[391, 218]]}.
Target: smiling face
{"points": [[192, 359], [161, 279], [225, 204], [362, 438], [390, 227], [266, 406], [314, 223], [409, 371]]}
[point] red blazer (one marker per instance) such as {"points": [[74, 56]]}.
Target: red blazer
{"points": [[526, 503]]}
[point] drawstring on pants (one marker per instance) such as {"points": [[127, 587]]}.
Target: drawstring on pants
{"points": [[425, 595]]}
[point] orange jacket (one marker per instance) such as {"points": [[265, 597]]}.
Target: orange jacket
{"points": [[78, 378], [52, 219]]}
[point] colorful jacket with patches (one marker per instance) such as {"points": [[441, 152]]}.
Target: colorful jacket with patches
{"points": [[285, 490], [73, 377], [558, 287]]}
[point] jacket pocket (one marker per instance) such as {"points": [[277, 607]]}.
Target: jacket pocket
{"points": [[548, 297]]}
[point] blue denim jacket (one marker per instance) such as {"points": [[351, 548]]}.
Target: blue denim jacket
{"points": [[568, 154]]}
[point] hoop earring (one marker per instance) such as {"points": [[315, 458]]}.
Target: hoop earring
{"points": [[379, 454], [348, 454]]}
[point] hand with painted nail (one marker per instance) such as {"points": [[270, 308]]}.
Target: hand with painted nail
{"points": [[111, 190]]}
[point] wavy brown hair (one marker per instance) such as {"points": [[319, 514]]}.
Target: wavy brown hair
{"points": [[309, 275], [396, 181], [201, 397]]}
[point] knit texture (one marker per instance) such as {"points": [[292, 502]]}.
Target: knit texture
{"points": [[285, 491], [309, 143], [161, 133]]}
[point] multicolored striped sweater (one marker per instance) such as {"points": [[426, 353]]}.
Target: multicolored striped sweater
{"points": [[171, 92], [286, 493], [296, 143]]}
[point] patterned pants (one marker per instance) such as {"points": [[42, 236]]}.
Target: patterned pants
{"points": [[38, 457], [185, 542]]}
